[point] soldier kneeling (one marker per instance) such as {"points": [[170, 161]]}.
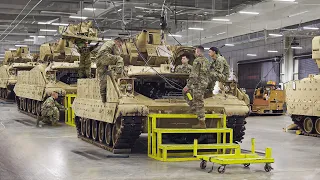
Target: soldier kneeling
{"points": [[50, 110]]}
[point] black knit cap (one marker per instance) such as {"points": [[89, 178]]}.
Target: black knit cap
{"points": [[215, 50]]}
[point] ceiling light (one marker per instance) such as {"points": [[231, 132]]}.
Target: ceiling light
{"points": [[78, 17], [20, 45], [275, 35], [38, 36], [195, 28], [55, 12], [285, 0], [310, 28], [1, 54], [175, 35], [29, 40], [229, 44], [253, 55], [48, 30], [224, 20], [90, 9], [247, 12], [272, 51], [60, 24], [296, 47], [119, 10], [43, 23], [206, 48], [292, 15], [12, 49], [221, 33]]}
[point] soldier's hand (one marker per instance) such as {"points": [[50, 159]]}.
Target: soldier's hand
{"points": [[185, 89]]}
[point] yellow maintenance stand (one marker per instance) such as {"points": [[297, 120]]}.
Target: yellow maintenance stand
{"points": [[69, 114]]}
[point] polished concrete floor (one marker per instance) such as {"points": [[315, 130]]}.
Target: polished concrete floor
{"points": [[29, 153]]}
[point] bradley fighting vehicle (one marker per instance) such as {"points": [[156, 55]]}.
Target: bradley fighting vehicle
{"points": [[303, 98], [149, 87], [58, 71], [15, 61]]}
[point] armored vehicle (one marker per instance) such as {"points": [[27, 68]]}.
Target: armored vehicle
{"points": [[268, 99], [302, 98], [58, 70], [149, 87], [15, 61]]}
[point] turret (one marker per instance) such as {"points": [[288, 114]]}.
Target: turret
{"points": [[19, 52], [142, 41], [61, 46], [316, 50]]}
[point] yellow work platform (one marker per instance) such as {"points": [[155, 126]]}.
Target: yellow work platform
{"points": [[237, 158], [168, 152], [69, 114]]}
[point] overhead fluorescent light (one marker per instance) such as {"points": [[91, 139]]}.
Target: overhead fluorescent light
{"points": [[206, 48], [20, 45], [275, 35], [224, 20], [119, 10], [43, 23], [60, 24], [310, 28], [78, 17], [175, 35], [292, 15], [55, 12], [12, 49], [194, 28], [28, 39], [229, 44], [90, 9], [248, 12], [1, 54], [48, 30], [38, 36], [272, 51], [252, 55], [296, 47], [221, 33], [285, 0]]}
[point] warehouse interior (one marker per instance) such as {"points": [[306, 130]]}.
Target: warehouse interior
{"points": [[262, 121]]}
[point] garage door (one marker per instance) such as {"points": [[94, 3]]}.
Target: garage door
{"points": [[306, 67]]}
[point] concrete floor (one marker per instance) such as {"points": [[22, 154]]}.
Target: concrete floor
{"points": [[29, 153]]}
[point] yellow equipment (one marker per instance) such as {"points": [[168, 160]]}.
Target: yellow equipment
{"points": [[236, 158], [268, 100]]}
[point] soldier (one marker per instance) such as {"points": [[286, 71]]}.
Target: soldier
{"points": [[50, 110], [85, 57], [108, 54], [219, 67], [184, 67], [197, 85]]}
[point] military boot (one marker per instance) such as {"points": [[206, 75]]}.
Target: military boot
{"points": [[201, 125]]}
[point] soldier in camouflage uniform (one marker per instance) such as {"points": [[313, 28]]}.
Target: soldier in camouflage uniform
{"points": [[197, 85], [85, 58], [50, 110], [108, 54], [184, 67], [220, 69]]}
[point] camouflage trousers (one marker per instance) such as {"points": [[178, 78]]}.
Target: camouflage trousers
{"points": [[85, 65], [197, 103], [50, 115]]}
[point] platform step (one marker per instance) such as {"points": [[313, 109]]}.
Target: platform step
{"points": [[200, 146], [189, 130]]}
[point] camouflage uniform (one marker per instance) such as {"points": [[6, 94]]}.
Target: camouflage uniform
{"points": [[225, 69], [107, 55], [197, 84], [183, 68], [85, 59], [50, 111], [215, 72]]}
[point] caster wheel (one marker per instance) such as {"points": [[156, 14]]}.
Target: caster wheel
{"points": [[246, 165], [203, 164], [221, 169], [268, 168]]}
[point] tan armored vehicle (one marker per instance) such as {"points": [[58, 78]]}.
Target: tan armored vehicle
{"points": [[150, 87], [303, 98], [15, 61]]}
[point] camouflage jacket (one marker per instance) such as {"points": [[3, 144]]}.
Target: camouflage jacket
{"points": [[225, 68], [49, 103], [215, 70], [108, 54], [183, 68], [199, 75]]}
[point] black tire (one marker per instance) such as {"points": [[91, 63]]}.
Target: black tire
{"points": [[95, 130], [88, 128], [101, 132], [237, 123]]}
